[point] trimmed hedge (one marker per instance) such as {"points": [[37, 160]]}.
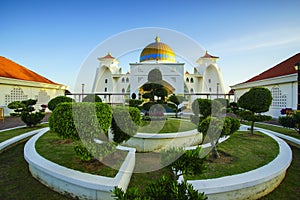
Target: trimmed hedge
{"points": [[61, 121], [125, 123], [57, 100], [91, 98], [89, 117]]}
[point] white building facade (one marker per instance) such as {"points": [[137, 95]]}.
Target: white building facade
{"points": [[18, 83], [281, 80], [158, 57]]}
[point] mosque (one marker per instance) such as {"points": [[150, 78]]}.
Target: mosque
{"points": [[158, 60]]}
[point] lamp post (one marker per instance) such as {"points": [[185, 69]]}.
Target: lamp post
{"points": [[82, 91]]}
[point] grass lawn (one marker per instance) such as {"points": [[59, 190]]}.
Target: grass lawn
{"points": [[241, 153], [62, 152], [5, 135], [16, 181], [286, 131], [168, 126]]}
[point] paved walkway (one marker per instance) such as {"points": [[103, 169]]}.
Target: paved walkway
{"points": [[10, 122]]}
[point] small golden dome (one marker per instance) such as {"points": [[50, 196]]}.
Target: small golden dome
{"points": [[157, 51]]}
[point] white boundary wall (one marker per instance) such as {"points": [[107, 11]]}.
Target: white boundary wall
{"points": [[75, 183]]}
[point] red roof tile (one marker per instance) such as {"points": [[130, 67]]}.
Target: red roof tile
{"points": [[282, 69], [107, 56], [10, 69], [207, 55]]}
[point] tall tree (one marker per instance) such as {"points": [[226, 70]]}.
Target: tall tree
{"points": [[254, 102]]}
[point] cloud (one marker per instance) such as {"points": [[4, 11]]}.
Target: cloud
{"points": [[258, 41]]}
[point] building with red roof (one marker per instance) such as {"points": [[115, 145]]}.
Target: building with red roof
{"points": [[17, 83], [281, 80]]}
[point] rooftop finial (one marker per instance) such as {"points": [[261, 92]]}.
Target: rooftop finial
{"points": [[157, 39]]}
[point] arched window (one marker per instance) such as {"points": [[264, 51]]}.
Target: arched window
{"points": [[192, 80], [209, 80], [123, 80], [127, 80], [192, 90], [105, 89], [187, 80], [123, 90], [106, 80], [209, 89]]}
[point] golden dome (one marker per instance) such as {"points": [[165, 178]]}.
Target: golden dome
{"points": [[157, 51]]}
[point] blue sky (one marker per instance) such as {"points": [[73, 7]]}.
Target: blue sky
{"points": [[53, 38]]}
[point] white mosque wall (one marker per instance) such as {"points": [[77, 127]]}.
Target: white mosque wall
{"points": [[212, 80], [172, 73]]}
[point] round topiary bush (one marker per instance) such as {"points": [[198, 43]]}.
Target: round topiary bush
{"points": [[61, 121], [91, 98], [81, 120], [57, 100], [125, 123]]}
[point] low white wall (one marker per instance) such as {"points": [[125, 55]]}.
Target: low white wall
{"points": [[75, 183], [147, 142], [15, 139], [250, 185]]}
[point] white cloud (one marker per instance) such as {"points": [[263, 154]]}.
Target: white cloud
{"points": [[258, 41]]}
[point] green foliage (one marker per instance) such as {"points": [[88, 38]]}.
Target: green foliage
{"points": [[82, 152], [292, 121], [57, 100], [135, 102], [183, 162], [235, 124], [154, 89], [29, 117], [202, 106], [163, 188], [91, 98], [61, 121], [213, 128], [234, 107], [176, 100], [256, 100], [32, 119], [85, 121], [125, 123], [18, 106]]}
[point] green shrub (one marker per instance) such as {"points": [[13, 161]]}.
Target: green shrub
{"points": [[91, 98], [18, 106], [61, 121], [213, 128], [135, 102], [202, 106], [57, 100], [163, 188], [235, 124], [82, 152], [92, 121], [29, 117], [125, 123]]}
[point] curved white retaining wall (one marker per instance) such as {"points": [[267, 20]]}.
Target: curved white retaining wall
{"points": [[75, 183], [15, 139], [250, 185], [148, 142]]}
